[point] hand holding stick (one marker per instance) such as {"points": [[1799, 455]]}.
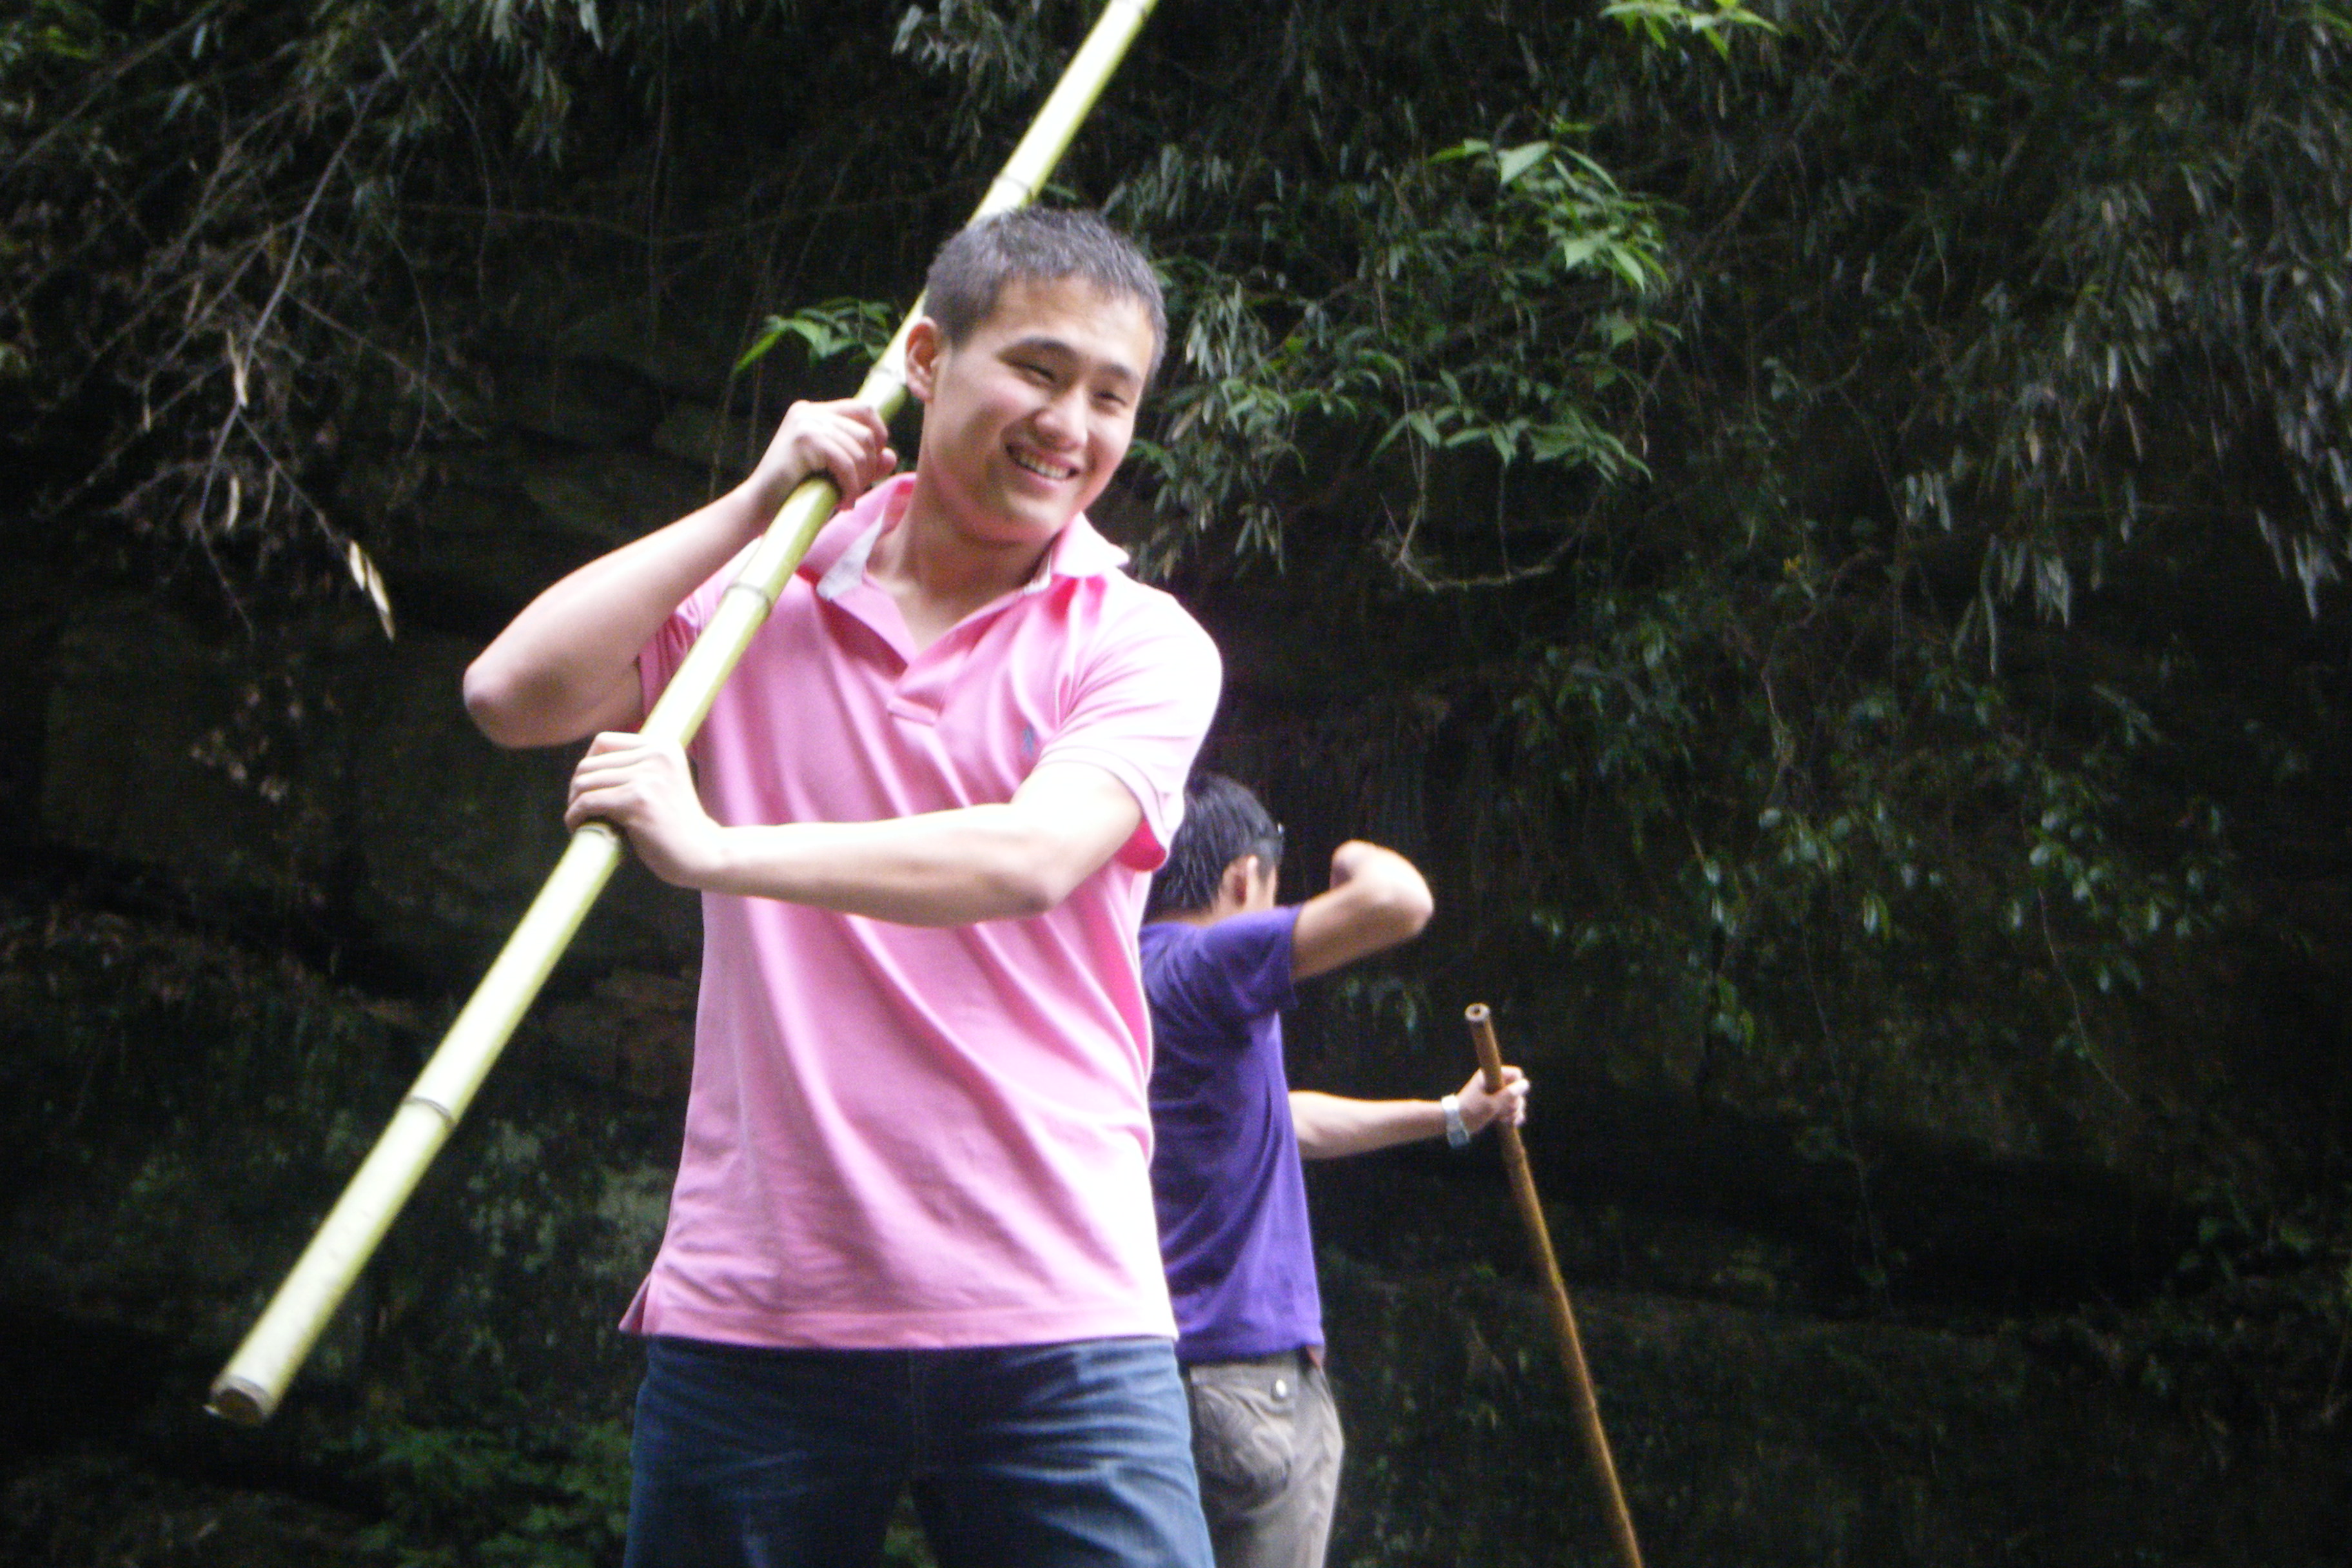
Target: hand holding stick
{"points": [[1571, 1348]]}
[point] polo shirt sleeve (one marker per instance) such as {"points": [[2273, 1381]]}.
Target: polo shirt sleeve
{"points": [[1142, 704], [666, 648]]}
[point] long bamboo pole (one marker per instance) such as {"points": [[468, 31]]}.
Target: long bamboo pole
{"points": [[1571, 1346], [250, 1387]]}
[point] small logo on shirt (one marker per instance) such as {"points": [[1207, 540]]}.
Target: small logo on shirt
{"points": [[1028, 743]]}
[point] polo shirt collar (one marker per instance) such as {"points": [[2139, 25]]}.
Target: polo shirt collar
{"points": [[836, 561]]}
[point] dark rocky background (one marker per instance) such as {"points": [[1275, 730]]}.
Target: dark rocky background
{"points": [[1878, 741]]}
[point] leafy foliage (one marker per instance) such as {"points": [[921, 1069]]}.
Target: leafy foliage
{"points": [[835, 327], [1445, 330], [195, 294], [551, 1498], [233, 231], [1784, 400]]}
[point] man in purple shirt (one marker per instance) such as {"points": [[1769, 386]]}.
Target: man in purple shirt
{"points": [[1219, 960]]}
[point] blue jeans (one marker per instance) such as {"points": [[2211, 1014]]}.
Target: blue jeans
{"points": [[1022, 1456]]}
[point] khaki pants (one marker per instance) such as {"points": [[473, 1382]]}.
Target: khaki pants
{"points": [[1265, 1438]]}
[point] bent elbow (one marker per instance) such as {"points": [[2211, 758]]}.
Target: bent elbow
{"points": [[1030, 878], [1415, 911], [510, 712], [491, 705], [1406, 907], [1030, 891]]}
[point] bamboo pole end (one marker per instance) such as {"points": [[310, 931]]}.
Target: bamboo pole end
{"points": [[240, 1401], [1481, 1019]]}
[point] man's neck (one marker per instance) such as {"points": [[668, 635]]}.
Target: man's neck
{"points": [[939, 575], [1223, 909]]}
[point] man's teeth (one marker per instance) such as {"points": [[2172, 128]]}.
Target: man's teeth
{"points": [[1039, 466]]}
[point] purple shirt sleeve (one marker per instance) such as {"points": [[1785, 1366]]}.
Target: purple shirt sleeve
{"points": [[1214, 985]]}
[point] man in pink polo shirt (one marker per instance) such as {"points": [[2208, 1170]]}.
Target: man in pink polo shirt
{"points": [[911, 1244]]}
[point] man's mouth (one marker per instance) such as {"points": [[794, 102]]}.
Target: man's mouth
{"points": [[1044, 467]]}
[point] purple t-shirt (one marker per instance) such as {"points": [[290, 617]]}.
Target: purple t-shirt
{"points": [[1224, 1165]]}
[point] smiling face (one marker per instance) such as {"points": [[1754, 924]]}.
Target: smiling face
{"points": [[1027, 417]]}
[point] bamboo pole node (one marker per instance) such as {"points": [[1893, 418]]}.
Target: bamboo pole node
{"points": [[434, 1106], [1481, 1020], [756, 590]]}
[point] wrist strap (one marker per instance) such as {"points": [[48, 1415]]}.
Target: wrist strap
{"points": [[1456, 1132]]}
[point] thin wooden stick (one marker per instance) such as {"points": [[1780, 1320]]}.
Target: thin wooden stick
{"points": [[249, 1387], [1571, 1346]]}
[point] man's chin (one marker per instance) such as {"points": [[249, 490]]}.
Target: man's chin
{"points": [[1039, 517], [1028, 527]]}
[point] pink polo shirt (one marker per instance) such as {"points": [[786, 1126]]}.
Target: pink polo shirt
{"points": [[906, 1137]]}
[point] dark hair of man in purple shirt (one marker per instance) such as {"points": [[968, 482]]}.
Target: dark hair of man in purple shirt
{"points": [[1222, 822]]}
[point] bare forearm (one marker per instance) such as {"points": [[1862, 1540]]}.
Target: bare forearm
{"points": [[1330, 1127], [566, 666], [945, 869], [1376, 901]]}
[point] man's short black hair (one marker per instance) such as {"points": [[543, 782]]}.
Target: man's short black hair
{"points": [[1222, 822], [1042, 245]]}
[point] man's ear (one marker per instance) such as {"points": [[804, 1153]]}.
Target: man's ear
{"points": [[924, 345], [1233, 887]]}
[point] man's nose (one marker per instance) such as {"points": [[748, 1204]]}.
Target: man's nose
{"points": [[1063, 420]]}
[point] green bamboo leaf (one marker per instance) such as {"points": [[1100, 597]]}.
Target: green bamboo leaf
{"points": [[1575, 253], [770, 333], [1517, 160]]}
